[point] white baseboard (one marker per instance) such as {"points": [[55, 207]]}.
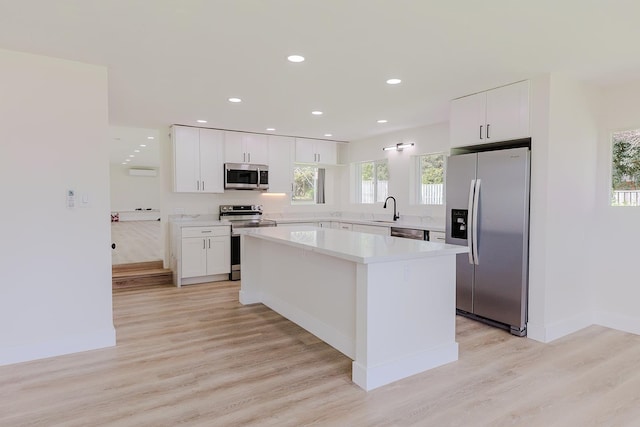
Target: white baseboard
{"points": [[617, 321], [564, 327], [335, 338], [376, 376], [67, 344]]}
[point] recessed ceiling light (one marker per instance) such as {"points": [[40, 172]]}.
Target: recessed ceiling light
{"points": [[295, 58], [382, 121], [128, 160], [143, 145], [394, 81], [328, 134], [317, 113], [124, 163], [136, 151], [235, 100], [201, 121], [131, 155], [271, 129], [153, 137]]}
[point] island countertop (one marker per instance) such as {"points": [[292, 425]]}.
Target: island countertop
{"points": [[353, 246]]}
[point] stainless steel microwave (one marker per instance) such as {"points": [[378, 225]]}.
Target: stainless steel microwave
{"points": [[245, 176]]}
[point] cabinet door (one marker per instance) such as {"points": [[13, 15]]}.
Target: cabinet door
{"points": [[211, 161], [280, 156], [372, 229], [305, 150], [186, 156], [327, 152], [233, 148], [467, 120], [436, 236], [194, 257], [256, 147], [218, 255], [508, 112]]}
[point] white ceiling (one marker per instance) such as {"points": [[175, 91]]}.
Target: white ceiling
{"points": [[175, 61]]}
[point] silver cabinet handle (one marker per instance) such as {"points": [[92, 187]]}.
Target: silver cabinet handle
{"points": [[480, 131], [202, 185], [204, 243], [476, 199], [472, 188], [209, 243], [198, 185], [488, 124], [249, 157]]}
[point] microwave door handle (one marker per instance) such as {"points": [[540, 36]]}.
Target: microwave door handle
{"points": [[258, 177]]}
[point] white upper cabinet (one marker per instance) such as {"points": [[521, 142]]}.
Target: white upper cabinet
{"points": [[242, 147], [198, 160], [280, 158], [316, 151], [496, 115]]}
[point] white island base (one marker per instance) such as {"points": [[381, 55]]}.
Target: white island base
{"points": [[387, 303]]}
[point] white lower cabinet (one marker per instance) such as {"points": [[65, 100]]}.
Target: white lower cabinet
{"points": [[296, 224], [372, 229], [436, 236], [205, 251], [342, 225]]}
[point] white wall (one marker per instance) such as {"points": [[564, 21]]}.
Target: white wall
{"points": [[131, 192], [616, 230], [55, 275], [427, 139]]}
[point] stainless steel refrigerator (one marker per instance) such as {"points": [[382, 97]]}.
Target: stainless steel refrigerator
{"points": [[487, 199]]}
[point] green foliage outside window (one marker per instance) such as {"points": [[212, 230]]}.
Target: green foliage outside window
{"points": [[625, 171], [304, 184]]}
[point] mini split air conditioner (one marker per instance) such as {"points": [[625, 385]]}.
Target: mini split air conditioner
{"points": [[143, 172]]}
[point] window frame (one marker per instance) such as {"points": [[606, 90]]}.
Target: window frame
{"points": [[357, 181], [611, 190], [417, 178]]}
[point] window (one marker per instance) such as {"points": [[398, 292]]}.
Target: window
{"points": [[430, 188], [625, 170], [308, 185], [371, 181]]}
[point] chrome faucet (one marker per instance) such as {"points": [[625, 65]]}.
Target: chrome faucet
{"points": [[396, 216]]}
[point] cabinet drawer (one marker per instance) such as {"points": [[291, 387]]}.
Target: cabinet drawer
{"points": [[436, 236], [205, 231]]}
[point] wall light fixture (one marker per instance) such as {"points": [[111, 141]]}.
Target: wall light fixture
{"points": [[399, 146]]}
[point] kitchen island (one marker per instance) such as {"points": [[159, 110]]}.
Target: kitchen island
{"points": [[385, 302]]}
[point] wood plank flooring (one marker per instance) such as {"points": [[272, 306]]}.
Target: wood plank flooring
{"points": [[136, 241], [195, 356]]}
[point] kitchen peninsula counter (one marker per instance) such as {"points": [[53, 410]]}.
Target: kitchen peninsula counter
{"points": [[385, 302]]}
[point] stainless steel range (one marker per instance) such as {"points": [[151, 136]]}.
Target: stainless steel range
{"points": [[241, 216]]}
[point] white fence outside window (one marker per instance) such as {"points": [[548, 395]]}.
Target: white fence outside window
{"points": [[626, 198], [432, 194]]}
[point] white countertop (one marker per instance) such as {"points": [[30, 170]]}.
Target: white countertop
{"points": [[196, 221], [433, 226], [353, 246]]}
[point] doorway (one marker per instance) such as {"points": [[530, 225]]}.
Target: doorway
{"points": [[135, 195]]}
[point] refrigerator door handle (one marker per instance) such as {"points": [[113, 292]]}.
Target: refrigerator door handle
{"points": [[469, 222], [474, 228]]}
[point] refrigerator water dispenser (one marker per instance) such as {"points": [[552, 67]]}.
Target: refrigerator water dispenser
{"points": [[459, 223]]}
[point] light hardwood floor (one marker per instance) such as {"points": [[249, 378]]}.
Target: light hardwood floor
{"points": [[136, 241], [195, 356]]}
